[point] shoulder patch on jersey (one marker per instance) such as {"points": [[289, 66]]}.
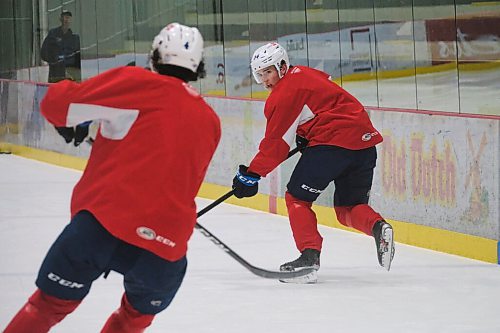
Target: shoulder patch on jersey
{"points": [[192, 91], [295, 70]]}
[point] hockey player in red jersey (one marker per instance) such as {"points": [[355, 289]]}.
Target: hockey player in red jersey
{"points": [[133, 209], [339, 145]]}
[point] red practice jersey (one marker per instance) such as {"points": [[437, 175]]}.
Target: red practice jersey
{"points": [[156, 139], [306, 102]]}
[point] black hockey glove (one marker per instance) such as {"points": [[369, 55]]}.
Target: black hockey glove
{"points": [[245, 184], [81, 132], [68, 133], [301, 142]]}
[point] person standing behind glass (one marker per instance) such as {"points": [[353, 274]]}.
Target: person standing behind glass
{"points": [[61, 49]]}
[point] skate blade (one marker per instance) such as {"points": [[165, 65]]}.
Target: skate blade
{"points": [[389, 255], [306, 279]]}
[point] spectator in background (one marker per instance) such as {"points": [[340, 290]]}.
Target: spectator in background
{"points": [[61, 49]]}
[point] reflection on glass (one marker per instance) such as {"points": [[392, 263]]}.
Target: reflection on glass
{"points": [[36, 69], [115, 34], [263, 26], [420, 54], [435, 56], [187, 13], [23, 26], [291, 30], [323, 43], [357, 49], [478, 48], [147, 23], [236, 48], [395, 54], [88, 28], [210, 26], [8, 47]]}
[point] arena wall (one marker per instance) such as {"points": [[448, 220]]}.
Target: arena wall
{"points": [[437, 178]]}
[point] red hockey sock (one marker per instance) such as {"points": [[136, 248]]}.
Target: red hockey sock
{"points": [[344, 215], [304, 224], [360, 217], [40, 313], [127, 319]]}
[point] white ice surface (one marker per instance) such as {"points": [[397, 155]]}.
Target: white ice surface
{"points": [[425, 291]]}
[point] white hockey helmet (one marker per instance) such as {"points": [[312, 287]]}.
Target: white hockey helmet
{"points": [[271, 54], [179, 45]]}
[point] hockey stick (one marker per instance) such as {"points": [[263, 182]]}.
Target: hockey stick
{"points": [[216, 203], [255, 270], [230, 193]]}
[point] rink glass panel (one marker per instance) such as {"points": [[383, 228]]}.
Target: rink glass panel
{"points": [[478, 48], [8, 63], [210, 25], [263, 27], [358, 50], [436, 66], [236, 45], [418, 55], [323, 37], [395, 54]]}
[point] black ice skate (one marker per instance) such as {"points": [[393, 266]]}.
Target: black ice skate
{"points": [[309, 258], [384, 240]]}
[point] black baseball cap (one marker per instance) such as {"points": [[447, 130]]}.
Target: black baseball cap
{"points": [[66, 13]]}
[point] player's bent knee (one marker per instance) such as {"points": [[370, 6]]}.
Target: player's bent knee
{"points": [[153, 293], [40, 313], [127, 319], [291, 198], [344, 215], [50, 304]]}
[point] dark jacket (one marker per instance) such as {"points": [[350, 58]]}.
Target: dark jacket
{"points": [[61, 50]]}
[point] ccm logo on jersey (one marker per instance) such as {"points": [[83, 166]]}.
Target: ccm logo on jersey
{"points": [[368, 136], [63, 282], [150, 234], [310, 189]]}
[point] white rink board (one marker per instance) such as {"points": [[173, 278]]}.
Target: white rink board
{"points": [[439, 171], [458, 183], [443, 167]]}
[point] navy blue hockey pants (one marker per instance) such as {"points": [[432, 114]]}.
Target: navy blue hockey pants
{"points": [[350, 170], [85, 250], [352, 173]]}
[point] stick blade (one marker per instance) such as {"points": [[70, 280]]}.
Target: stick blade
{"points": [[279, 275]]}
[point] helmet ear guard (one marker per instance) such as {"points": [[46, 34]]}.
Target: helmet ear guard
{"points": [[271, 54], [178, 45]]}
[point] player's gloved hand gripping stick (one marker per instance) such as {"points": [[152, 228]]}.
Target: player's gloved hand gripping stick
{"points": [[230, 193], [255, 270], [76, 134]]}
